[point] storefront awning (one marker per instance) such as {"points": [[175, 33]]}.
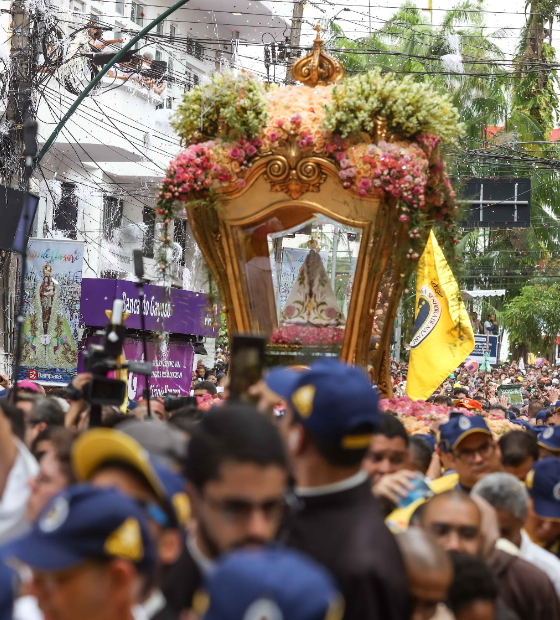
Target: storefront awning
{"points": [[497, 292]]}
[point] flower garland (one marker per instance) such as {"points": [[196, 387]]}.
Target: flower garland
{"points": [[411, 108], [227, 105], [418, 416], [307, 335]]}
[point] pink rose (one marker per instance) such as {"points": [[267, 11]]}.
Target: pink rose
{"points": [[365, 183], [241, 182], [251, 150], [273, 136]]}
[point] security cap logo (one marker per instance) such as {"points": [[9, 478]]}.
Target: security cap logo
{"points": [[547, 434], [303, 400], [464, 424], [263, 609], [556, 492], [55, 516], [428, 313]]}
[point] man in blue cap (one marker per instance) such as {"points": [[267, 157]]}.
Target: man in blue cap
{"points": [[474, 452], [331, 414], [543, 516], [270, 583], [549, 442], [90, 555], [109, 458], [554, 419]]}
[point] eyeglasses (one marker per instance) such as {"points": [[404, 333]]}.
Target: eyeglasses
{"points": [[465, 532], [468, 456], [240, 509]]}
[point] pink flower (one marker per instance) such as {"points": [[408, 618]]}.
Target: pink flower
{"points": [[404, 218], [241, 182], [302, 143], [280, 122], [296, 119], [273, 136], [251, 150], [365, 183], [340, 156], [235, 152]]}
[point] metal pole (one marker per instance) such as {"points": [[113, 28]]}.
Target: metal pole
{"points": [[334, 255], [102, 73], [295, 36]]}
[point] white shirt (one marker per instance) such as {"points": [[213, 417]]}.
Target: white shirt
{"points": [[541, 558], [13, 522]]}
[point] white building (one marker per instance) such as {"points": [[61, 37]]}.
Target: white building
{"points": [[98, 180]]}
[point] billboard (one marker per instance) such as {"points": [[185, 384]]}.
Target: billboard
{"points": [[480, 347], [51, 304]]}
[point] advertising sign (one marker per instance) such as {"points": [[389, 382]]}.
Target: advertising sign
{"points": [[165, 309], [513, 393], [172, 365], [480, 347], [53, 281]]}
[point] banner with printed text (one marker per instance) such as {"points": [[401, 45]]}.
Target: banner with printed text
{"points": [[53, 283]]}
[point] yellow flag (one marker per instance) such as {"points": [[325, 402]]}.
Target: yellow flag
{"points": [[443, 336]]}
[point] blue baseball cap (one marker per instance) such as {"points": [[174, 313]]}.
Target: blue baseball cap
{"points": [[540, 418], [550, 438], [453, 432], [543, 484], [333, 401], [84, 522], [8, 583], [429, 439], [524, 425], [274, 583]]}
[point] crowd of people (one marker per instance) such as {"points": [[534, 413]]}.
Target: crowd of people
{"points": [[312, 504]]}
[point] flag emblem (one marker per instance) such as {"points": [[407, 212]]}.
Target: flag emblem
{"points": [[428, 312]]}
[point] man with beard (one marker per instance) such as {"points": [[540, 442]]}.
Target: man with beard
{"points": [[237, 475]]}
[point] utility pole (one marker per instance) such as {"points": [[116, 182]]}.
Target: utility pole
{"points": [[19, 108], [23, 66], [295, 36]]}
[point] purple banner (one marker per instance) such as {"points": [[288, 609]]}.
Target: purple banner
{"points": [[171, 310], [172, 365], [172, 368]]}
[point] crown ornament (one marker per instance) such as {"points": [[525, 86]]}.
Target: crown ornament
{"points": [[317, 68], [47, 269]]}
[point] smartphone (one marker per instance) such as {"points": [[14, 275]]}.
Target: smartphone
{"points": [[246, 365]]}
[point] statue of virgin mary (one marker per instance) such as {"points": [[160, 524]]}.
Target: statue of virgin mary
{"points": [[312, 300]]}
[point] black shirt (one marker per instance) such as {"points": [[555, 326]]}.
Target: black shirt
{"points": [[181, 581], [345, 532]]}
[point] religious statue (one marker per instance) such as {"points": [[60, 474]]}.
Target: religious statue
{"points": [[46, 294], [312, 300]]}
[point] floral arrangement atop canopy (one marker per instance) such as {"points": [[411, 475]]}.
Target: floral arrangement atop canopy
{"points": [[363, 151]]}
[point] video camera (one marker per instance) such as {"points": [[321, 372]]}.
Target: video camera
{"points": [[100, 360]]}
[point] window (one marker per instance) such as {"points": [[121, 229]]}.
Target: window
{"points": [[112, 215], [137, 13], [118, 35], [94, 18], [180, 236], [169, 103], [119, 7], [172, 32], [76, 6], [160, 28], [149, 219], [159, 55], [66, 212]]}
